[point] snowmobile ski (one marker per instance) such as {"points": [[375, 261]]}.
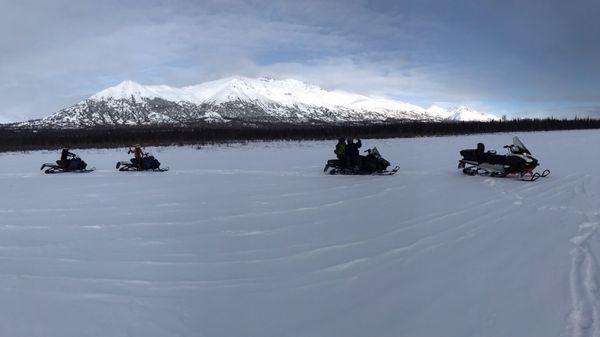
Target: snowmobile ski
{"points": [[135, 169], [536, 175], [390, 172]]}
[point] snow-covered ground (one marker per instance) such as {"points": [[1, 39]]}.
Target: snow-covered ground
{"points": [[256, 241]]}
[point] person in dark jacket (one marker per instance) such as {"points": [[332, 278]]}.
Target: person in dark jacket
{"points": [[340, 149], [352, 152], [65, 157]]}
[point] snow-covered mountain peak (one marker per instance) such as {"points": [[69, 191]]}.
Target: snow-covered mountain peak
{"points": [[244, 99], [464, 113], [460, 113], [125, 90]]}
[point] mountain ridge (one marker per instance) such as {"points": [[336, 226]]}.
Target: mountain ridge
{"points": [[243, 99]]}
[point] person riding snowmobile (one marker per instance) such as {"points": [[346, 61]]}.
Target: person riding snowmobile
{"points": [[370, 161], [142, 161], [137, 154], [68, 162], [65, 158], [352, 152], [340, 149]]}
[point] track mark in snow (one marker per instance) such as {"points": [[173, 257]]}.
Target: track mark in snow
{"points": [[346, 265], [519, 200], [585, 314], [490, 181], [249, 232]]}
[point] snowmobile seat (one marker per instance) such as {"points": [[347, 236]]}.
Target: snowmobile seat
{"points": [[474, 155]]}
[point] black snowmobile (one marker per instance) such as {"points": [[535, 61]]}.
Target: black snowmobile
{"points": [[372, 164], [74, 164], [518, 162], [148, 163]]}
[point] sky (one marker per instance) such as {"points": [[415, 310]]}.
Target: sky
{"points": [[519, 58]]}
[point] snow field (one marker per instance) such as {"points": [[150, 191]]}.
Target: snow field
{"points": [[256, 241]]}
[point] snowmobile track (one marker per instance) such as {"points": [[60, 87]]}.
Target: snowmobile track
{"points": [[355, 173]]}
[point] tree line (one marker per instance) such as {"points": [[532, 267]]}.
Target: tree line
{"points": [[14, 138]]}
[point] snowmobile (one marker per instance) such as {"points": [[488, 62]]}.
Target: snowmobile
{"points": [[149, 163], [74, 164], [372, 164], [518, 162]]}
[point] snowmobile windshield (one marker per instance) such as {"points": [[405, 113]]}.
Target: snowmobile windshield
{"points": [[519, 145]]}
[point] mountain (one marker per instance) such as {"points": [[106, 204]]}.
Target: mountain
{"points": [[240, 99], [464, 113]]}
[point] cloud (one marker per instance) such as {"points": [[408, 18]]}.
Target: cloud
{"points": [[509, 56]]}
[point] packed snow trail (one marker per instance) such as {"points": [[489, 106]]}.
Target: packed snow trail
{"points": [[255, 240]]}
